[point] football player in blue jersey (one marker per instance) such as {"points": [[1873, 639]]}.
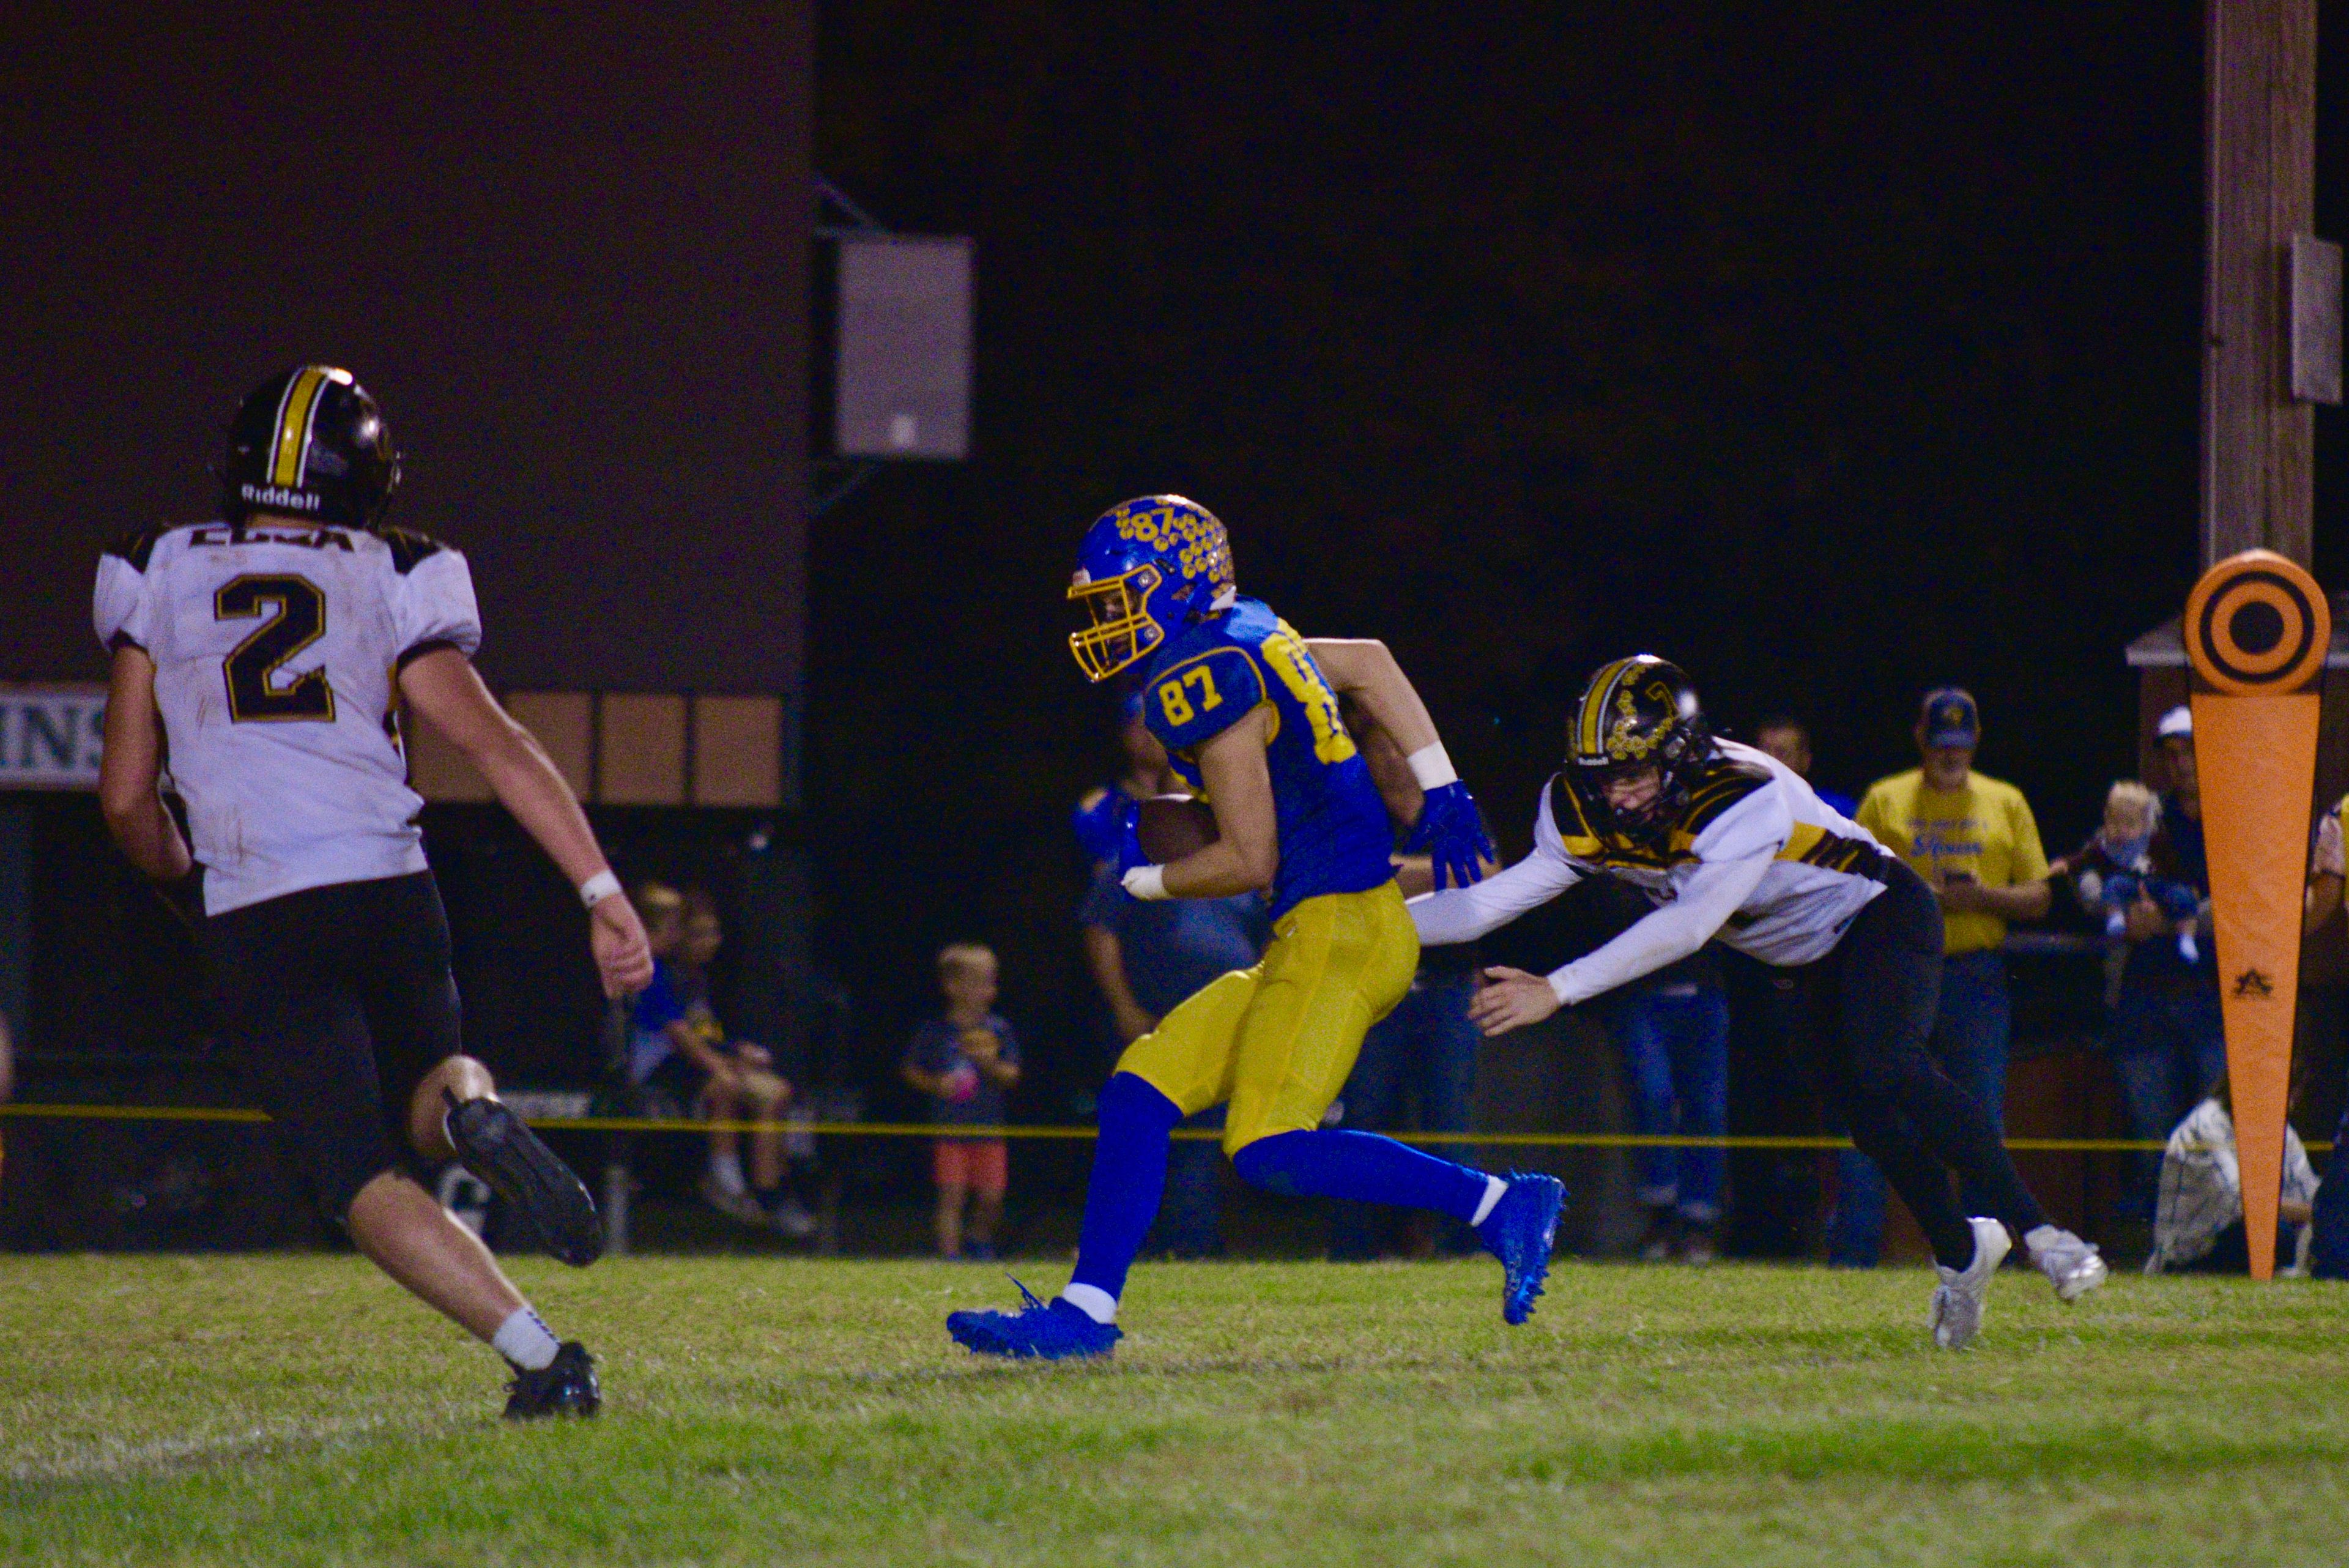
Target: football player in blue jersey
{"points": [[1247, 710]]}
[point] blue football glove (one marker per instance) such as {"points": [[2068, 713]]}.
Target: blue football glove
{"points": [[1452, 834], [1096, 826], [1129, 837]]}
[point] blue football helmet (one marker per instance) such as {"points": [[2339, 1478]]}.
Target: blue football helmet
{"points": [[1147, 566]]}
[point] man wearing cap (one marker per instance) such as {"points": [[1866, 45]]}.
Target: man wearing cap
{"points": [[2166, 1041], [1973, 840]]}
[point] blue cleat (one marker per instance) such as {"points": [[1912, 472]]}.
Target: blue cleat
{"points": [[1044, 1331], [1518, 1231]]}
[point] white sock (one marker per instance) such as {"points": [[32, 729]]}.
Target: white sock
{"points": [[1092, 1301], [2041, 1237], [1494, 1188], [726, 1170], [525, 1340]]}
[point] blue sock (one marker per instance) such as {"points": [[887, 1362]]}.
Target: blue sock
{"points": [[1362, 1166], [1129, 1175]]}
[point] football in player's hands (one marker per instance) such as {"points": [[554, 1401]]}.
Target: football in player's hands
{"points": [[1173, 826]]}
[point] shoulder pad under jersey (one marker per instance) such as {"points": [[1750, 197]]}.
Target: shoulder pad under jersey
{"points": [[1198, 696], [409, 547], [1719, 785], [137, 546]]}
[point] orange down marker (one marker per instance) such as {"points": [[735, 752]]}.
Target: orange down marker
{"points": [[2256, 630]]}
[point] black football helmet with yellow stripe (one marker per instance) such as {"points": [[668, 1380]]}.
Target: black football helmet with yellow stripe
{"points": [[309, 442], [1636, 712]]}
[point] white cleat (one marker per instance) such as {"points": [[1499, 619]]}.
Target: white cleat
{"points": [[1957, 1310], [2073, 1264]]}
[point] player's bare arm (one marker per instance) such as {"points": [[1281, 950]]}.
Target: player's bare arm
{"points": [[1362, 670], [1246, 854], [129, 772], [445, 688]]}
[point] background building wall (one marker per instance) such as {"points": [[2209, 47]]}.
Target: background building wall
{"points": [[565, 246]]}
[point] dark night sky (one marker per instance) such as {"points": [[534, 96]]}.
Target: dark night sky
{"points": [[1830, 350]]}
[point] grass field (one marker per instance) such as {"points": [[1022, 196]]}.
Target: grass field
{"points": [[299, 1409]]}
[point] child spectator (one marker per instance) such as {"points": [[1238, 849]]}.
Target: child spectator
{"points": [[679, 1059], [748, 1089], [2115, 868], [966, 1060]]}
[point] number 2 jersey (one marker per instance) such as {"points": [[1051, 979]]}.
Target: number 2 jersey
{"points": [[1333, 828], [1754, 858], [277, 650]]}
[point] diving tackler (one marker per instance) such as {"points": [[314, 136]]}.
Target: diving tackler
{"points": [[2257, 630]]}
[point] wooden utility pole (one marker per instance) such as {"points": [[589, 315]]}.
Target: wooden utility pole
{"points": [[2257, 436]]}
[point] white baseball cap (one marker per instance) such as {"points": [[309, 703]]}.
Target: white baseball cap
{"points": [[2179, 721]]}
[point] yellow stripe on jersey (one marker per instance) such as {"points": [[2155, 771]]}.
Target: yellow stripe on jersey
{"points": [[293, 439], [1812, 845]]}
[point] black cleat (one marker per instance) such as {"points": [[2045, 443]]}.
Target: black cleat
{"points": [[497, 1146], [563, 1387]]}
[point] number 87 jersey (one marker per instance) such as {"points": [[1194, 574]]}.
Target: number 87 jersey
{"points": [[1335, 837], [277, 647]]}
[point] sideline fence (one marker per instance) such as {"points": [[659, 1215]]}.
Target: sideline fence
{"points": [[1202, 1135]]}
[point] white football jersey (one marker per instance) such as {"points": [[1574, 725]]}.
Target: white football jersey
{"points": [[277, 647], [1756, 861]]}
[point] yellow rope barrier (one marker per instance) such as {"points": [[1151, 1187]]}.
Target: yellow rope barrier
{"points": [[928, 1130]]}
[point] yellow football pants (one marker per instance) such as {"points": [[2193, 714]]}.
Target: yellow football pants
{"points": [[1278, 1040]]}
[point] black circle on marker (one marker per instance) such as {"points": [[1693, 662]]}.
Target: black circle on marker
{"points": [[2207, 625], [2256, 628]]}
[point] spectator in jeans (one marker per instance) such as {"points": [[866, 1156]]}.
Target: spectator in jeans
{"points": [[1973, 840], [967, 1060], [1423, 1052], [1776, 1212], [2166, 1040], [2198, 1227], [1672, 1029]]}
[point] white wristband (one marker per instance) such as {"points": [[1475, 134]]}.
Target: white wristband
{"points": [[1559, 989], [1147, 883], [1430, 767], [598, 888]]}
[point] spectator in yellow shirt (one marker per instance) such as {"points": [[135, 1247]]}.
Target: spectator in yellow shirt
{"points": [[1973, 840]]}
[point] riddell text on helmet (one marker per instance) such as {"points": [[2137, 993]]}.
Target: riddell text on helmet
{"points": [[271, 495]]}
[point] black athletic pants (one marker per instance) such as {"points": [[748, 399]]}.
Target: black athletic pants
{"points": [[1872, 1002], [337, 1001]]}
